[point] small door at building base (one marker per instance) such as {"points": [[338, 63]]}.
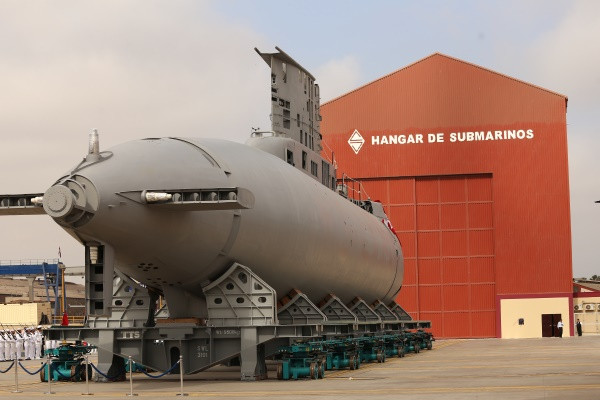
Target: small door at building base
{"points": [[549, 322]]}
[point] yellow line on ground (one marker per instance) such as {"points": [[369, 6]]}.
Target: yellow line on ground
{"points": [[411, 368], [421, 390], [473, 359]]}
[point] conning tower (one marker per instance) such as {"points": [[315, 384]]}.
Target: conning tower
{"points": [[295, 135]]}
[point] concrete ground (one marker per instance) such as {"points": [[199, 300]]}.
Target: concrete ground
{"points": [[517, 369]]}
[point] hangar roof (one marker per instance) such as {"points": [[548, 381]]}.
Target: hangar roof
{"points": [[586, 284], [437, 55]]}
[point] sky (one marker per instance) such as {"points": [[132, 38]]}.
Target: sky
{"points": [[148, 68]]}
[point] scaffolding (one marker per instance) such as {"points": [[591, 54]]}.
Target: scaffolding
{"points": [[51, 271]]}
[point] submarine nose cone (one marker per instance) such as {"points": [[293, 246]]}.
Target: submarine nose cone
{"points": [[72, 202], [59, 201]]}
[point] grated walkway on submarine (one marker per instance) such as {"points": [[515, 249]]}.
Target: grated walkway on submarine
{"points": [[519, 369]]}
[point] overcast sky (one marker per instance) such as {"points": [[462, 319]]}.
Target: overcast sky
{"points": [[144, 68]]}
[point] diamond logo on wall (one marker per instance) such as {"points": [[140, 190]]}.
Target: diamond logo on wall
{"points": [[356, 141]]}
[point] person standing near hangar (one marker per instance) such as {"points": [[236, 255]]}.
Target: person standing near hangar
{"points": [[559, 325]]}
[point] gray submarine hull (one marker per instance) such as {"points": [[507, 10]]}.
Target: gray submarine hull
{"points": [[294, 232]]}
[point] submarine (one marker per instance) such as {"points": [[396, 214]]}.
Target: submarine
{"points": [[172, 215]]}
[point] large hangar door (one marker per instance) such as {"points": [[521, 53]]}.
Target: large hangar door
{"points": [[445, 225]]}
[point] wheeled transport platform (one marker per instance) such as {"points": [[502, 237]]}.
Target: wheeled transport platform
{"points": [[247, 324]]}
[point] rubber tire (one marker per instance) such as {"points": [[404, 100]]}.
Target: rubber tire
{"points": [[352, 363], [43, 375], [429, 345], [280, 371], [324, 362], [400, 352], [82, 372], [321, 367], [314, 372], [74, 375], [380, 356]]}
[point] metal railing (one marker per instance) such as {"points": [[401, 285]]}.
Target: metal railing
{"points": [[50, 366], [32, 261], [353, 188], [73, 319]]}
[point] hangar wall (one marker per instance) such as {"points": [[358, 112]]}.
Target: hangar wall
{"points": [[471, 166], [529, 310]]}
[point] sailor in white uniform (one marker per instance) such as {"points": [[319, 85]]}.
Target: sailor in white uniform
{"points": [[26, 343], [7, 350], [20, 341], [31, 353], [37, 337], [13, 344], [2, 346]]}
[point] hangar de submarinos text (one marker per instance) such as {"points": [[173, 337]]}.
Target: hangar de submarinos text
{"points": [[414, 138]]}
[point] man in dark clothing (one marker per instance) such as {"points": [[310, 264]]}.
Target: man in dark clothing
{"points": [[578, 325]]}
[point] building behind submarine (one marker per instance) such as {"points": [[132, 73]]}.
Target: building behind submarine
{"points": [[471, 166], [250, 245]]}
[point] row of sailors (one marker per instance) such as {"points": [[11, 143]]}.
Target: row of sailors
{"points": [[26, 344]]}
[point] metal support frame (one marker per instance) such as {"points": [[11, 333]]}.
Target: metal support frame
{"points": [[336, 311], [128, 305], [242, 322], [299, 310], [240, 298], [399, 312], [383, 311], [364, 312]]}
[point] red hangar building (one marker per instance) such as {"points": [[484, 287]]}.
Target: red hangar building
{"points": [[472, 168]]}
